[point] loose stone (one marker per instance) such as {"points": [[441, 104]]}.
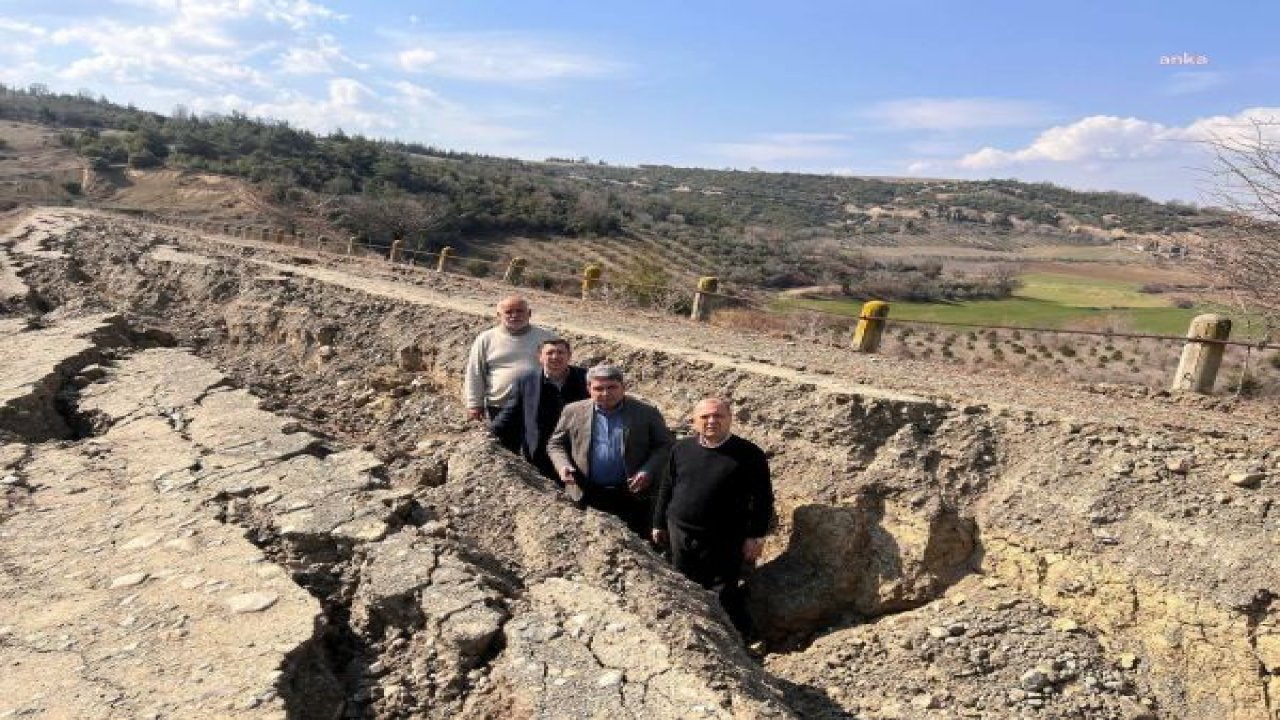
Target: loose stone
{"points": [[252, 602], [129, 580]]}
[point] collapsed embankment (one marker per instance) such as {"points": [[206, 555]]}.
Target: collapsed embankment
{"points": [[1070, 567]]}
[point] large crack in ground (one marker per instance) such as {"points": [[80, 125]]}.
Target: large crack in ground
{"points": [[373, 374]]}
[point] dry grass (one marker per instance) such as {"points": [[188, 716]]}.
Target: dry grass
{"points": [[1071, 359]]}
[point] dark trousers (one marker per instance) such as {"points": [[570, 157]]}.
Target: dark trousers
{"points": [[541, 461], [634, 510], [714, 561], [509, 436]]}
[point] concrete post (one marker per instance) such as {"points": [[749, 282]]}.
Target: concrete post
{"points": [[866, 338], [1198, 368], [515, 271], [396, 245], [351, 245], [702, 300], [279, 237], [443, 263], [590, 279]]}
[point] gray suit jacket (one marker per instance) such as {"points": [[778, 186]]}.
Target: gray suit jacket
{"points": [[646, 439]]}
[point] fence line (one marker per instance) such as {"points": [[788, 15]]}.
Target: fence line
{"points": [[1258, 345], [868, 325]]}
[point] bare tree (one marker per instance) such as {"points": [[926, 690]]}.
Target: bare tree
{"points": [[1245, 179], [383, 217]]}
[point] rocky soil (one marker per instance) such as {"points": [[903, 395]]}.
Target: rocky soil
{"points": [[205, 433]]}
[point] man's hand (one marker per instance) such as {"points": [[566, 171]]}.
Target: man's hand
{"points": [[638, 482], [475, 414], [751, 548], [659, 536]]}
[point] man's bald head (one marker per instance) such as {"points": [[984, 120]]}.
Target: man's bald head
{"points": [[514, 313], [712, 418], [709, 402]]}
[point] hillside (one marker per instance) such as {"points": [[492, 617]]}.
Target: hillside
{"points": [[753, 229]]}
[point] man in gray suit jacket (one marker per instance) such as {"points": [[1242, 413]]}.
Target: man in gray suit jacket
{"points": [[610, 450]]}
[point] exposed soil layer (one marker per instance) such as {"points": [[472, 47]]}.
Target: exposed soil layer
{"points": [[945, 546]]}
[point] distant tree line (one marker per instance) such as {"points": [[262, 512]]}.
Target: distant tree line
{"points": [[765, 229]]}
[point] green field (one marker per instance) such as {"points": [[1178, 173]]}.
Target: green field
{"points": [[1045, 300]]}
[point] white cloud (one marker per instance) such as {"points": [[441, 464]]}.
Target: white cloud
{"points": [[417, 59], [1109, 152], [420, 97], [445, 122], [1241, 126], [347, 93], [23, 73], [18, 50], [778, 147], [320, 59], [133, 65], [194, 45], [18, 27], [956, 113], [1100, 137], [1106, 138], [349, 104], [497, 57], [297, 14]]}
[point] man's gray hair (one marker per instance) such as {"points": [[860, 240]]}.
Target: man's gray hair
{"points": [[605, 372]]}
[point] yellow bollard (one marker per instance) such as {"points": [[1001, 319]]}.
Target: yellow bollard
{"points": [[515, 270], [1198, 368], [866, 338], [590, 279], [443, 262], [701, 298]]}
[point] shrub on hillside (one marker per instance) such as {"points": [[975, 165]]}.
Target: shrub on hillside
{"points": [[144, 159], [476, 268]]}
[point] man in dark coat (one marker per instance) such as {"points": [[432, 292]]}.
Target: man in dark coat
{"points": [[538, 397], [715, 505], [611, 450]]}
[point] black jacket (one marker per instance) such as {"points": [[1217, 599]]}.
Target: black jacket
{"points": [[519, 419]]}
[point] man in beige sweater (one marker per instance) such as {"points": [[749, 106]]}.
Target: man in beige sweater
{"points": [[498, 356]]}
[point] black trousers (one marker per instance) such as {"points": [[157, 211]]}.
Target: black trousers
{"points": [[543, 462], [509, 436], [714, 561], [634, 510]]}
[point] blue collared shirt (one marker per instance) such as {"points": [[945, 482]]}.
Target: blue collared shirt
{"points": [[608, 466]]}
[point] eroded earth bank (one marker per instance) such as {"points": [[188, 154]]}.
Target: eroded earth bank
{"points": [[237, 484]]}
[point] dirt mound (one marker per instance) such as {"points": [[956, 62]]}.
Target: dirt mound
{"points": [[945, 546]]}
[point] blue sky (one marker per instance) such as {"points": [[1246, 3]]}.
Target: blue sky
{"points": [[1075, 93]]}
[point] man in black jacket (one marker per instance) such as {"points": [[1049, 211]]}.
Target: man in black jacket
{"points": [[715, 505], [538, 396]]}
